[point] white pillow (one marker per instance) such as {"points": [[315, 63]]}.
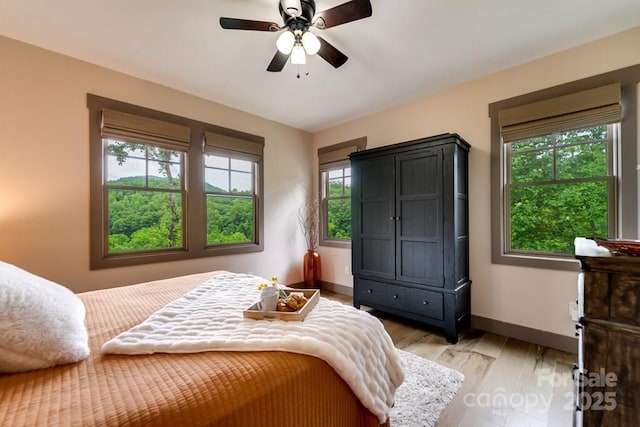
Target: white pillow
{"points": [[41, 322]]}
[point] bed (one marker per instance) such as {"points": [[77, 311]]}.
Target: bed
{"points": [[266, 388]]}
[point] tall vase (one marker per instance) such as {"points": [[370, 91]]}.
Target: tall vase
{"points": [[311, 269]]}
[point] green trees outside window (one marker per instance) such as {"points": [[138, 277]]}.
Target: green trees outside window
{"points": [[145, 198], [229, 188], [560, 186], [145, 192]]}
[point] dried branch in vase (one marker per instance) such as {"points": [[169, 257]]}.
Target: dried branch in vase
{"points": [[308, 216]]}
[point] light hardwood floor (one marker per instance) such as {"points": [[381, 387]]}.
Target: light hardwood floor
{"points": [[507, 383]]}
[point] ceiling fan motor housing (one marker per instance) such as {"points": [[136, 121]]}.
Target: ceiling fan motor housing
{"points": [[304, 20]]}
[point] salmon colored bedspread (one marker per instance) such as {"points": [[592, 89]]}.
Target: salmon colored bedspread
{"points": [[202, 389]]}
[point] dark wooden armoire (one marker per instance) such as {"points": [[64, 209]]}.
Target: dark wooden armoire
{"points": [[410, 234]]}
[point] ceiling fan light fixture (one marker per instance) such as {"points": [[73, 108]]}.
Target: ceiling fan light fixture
{"points": [[311, 43], [285, 42], [298, 56]]}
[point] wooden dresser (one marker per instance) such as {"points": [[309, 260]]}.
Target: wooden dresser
{"points": [[608, 392]]}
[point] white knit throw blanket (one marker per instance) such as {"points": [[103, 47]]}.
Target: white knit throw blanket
{"points": [[209, 318]]}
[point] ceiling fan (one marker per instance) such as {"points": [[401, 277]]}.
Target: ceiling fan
{"points": [[296, 40]]}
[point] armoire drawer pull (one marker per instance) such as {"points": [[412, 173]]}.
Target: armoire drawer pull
{"points": [[369, 291], [425, 302], [395, 297]]}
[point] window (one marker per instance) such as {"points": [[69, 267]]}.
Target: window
{"points": [[560, 186], [335, 192], [166, 188], [145, 193], [563, 165], [231, 170]]}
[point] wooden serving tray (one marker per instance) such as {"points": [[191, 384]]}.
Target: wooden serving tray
{"points": [[312, 295]]}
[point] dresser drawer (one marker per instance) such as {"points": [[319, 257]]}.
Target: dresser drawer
{"points": [[398, 297], [426, 303], [369, 291]]}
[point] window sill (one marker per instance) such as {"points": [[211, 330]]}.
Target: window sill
{"points": [[548, 263], [141, 258], [336, 244]]}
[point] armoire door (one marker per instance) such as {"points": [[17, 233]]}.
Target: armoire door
{"points": [[374, 230], [419, 211]]}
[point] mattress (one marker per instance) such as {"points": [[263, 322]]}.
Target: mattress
{"points": [[201, 389]]}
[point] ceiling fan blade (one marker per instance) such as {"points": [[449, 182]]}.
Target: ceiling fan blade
{"points": [[330, 54], [346, 12], [278, 62], [247, 24]]}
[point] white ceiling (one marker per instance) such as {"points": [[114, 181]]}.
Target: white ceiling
{"points": [[407, 49]]}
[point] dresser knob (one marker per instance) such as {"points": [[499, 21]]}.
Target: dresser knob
{"points": [[395, 297], [369, 291], [425, 302]]}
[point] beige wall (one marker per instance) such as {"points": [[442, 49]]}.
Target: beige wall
{"points": [[44, 167], [44, 171], [534, 298]]}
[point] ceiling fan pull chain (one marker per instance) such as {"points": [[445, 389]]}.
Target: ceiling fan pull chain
{"points": [[306, 73]]}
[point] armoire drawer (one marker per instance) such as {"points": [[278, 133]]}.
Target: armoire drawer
{"points": [[381, 293], [413, 300], [427, 303], [398, 297], [371, 292]]}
